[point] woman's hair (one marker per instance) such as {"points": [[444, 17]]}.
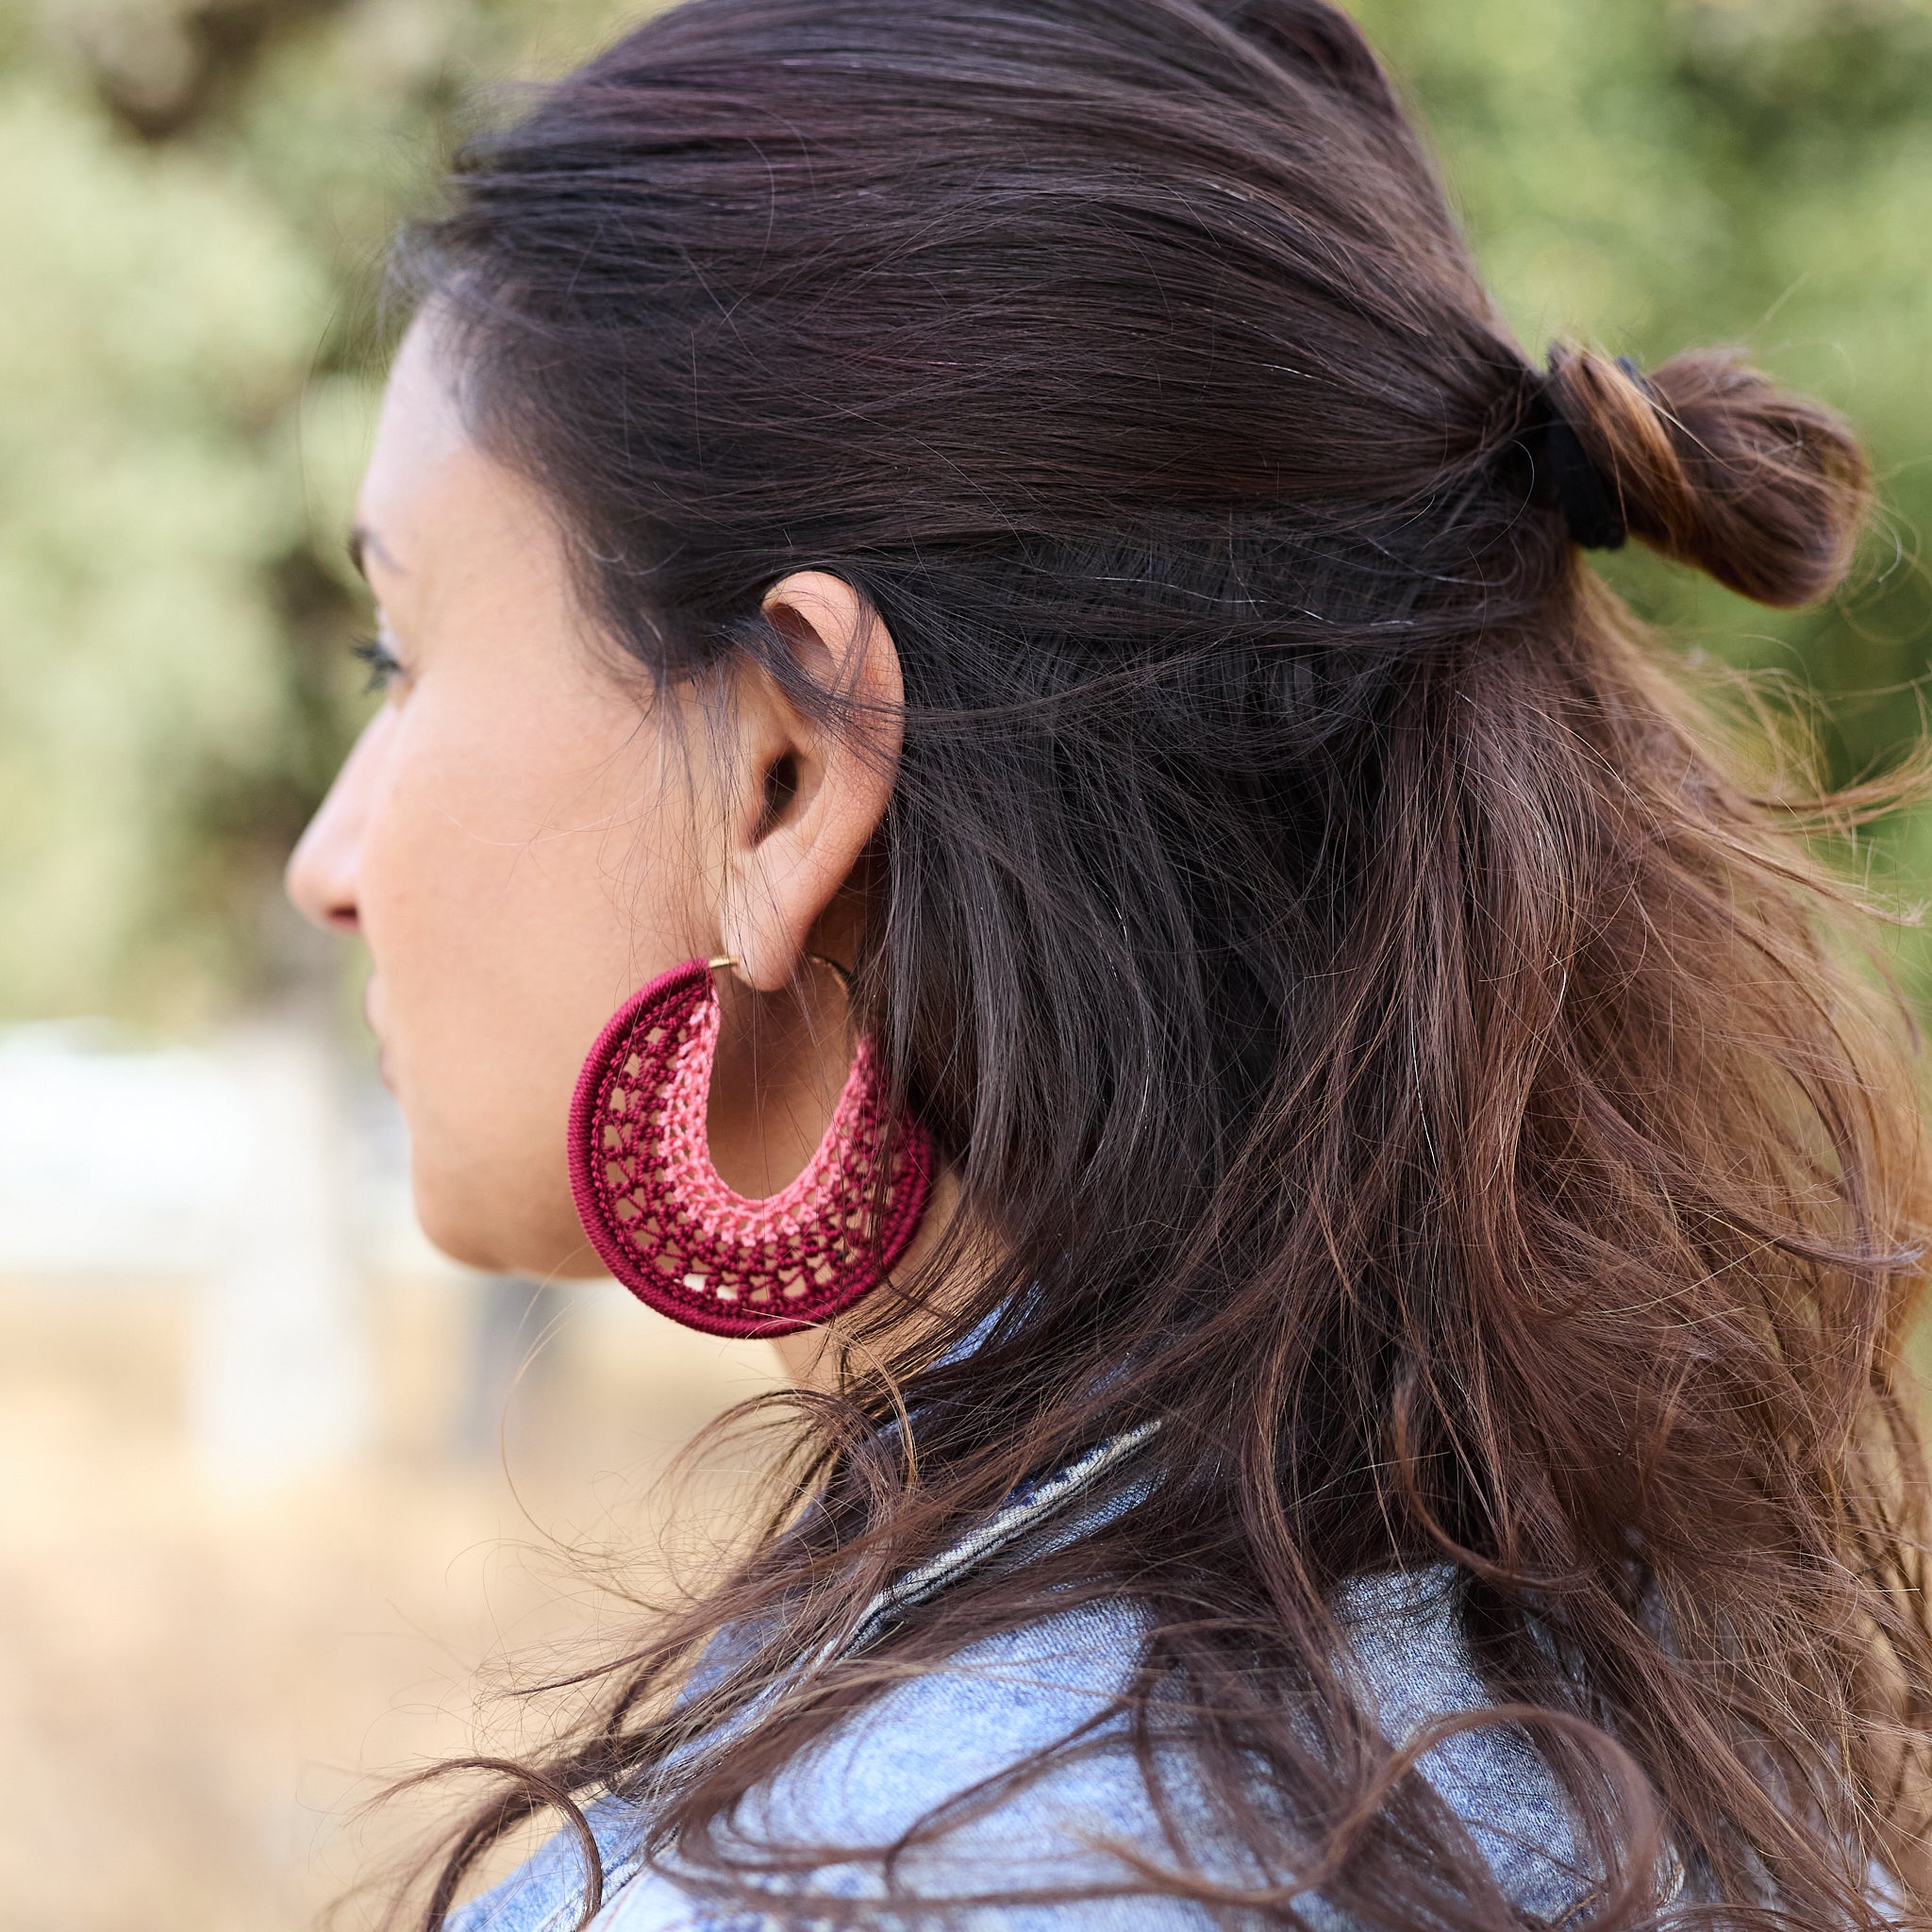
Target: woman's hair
{"points": [[1374, 1031]]}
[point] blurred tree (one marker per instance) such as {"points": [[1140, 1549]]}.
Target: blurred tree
{"points": [[197, 195]]}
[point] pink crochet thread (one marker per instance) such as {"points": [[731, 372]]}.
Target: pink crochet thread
{"points": [[667, 1228]]}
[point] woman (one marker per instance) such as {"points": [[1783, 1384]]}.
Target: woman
{"points": [[987, 575]]}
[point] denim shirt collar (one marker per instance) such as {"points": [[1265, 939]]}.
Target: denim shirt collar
{"points": [[1029, 1506]]}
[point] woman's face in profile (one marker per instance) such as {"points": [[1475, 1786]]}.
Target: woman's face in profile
{"points": [[513, 836]]}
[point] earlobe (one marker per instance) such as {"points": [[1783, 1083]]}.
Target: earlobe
{"points": [[823, 777]]}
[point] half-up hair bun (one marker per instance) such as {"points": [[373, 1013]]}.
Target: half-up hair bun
{"points": [[1712, 464]]}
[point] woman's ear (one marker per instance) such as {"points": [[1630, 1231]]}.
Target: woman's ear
{"points": [[813, 789]]}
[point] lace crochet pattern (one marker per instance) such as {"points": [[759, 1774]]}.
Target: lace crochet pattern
{"points": [[671, 1231]]}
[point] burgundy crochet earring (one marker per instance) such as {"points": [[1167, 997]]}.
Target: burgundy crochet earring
{"points": [[666, 1224]]}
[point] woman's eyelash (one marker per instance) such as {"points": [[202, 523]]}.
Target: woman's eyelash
{"points": [[380, 660]]}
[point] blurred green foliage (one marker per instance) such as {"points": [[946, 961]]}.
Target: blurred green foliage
{"points": [[196, 195], [194, 198]]}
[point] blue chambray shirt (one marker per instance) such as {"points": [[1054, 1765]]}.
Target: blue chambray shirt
{"points": [[945, 1731]]}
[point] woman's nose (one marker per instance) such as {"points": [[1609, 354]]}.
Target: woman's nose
{"points": [[322, 878]]}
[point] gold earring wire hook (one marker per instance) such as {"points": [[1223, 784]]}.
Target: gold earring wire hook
{"points": [[841, 974]]}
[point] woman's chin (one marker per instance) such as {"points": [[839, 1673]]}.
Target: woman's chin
{"points": [[469, 1225]]}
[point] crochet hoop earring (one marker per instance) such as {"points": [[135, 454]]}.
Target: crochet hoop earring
{"points": [[665, 1223]]}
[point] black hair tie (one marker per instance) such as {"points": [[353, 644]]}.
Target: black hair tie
{"points": [[1566, 475]]}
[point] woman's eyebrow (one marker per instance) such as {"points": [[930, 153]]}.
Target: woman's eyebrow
{"points": [[363, 543]]}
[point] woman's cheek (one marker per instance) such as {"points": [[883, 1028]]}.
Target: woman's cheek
{"points": [[507, 920]]}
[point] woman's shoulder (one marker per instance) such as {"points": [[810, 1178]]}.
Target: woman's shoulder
{"points": [[1413, 1666], [923, 1746], [922, 1770], [956, 1730]]}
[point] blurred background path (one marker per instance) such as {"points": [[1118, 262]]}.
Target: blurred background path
{"points": [[273, 1479]]}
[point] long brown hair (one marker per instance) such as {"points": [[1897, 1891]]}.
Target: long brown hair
{"points": [[1377, 1027]]}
